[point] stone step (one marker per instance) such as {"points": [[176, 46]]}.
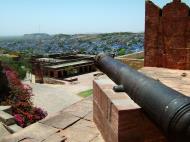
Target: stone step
{"points": [[14, 128], [6, 109], [3, 131], [6, 118]]}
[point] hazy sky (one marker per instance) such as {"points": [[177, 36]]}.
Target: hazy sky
{"points": [[72, 16]]}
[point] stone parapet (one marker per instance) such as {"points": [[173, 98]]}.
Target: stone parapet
{"points": [[119, 119], [167, 34]]}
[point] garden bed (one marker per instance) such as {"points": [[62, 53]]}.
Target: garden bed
{"points": [[18, 96]]}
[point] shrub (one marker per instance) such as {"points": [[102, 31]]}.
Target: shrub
{"points": [[4, 89], [20, 66], [20, 99], [122, 51]]}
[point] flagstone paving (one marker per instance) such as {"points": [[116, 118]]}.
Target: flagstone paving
{"points": [[53, 97], [176, 79], [75, 123]]}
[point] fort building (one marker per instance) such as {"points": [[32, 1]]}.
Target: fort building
{"points": [[167, 35], [62, 66], [111, 116]]}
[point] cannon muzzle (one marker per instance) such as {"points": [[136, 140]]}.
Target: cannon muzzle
{"points": [[169, 109]]}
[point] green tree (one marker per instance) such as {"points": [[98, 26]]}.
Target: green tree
{"points": [[21, 66], [82, 50], [122, 51]]}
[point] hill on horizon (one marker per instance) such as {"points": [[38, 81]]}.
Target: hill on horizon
{"points": [[41, 43]]}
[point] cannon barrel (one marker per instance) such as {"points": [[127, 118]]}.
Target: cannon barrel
{"points": [[169, 109]]}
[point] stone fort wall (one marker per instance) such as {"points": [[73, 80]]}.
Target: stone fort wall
{"points": [[167, 35]]}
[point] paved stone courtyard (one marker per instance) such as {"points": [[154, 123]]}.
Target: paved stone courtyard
{"points": [[75, 123], [53, 97], [176, 79]]}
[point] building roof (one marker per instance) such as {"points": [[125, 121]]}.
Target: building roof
{"points": [[49, 60], [69, 64]]}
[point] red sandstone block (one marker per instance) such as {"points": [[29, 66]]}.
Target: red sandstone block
{"points": [[111, 94], [175, 10], [152, 10], [103, 125], [138, 123], [177, 42], [122, 115], [151, 42], [152, 59], [150, 62], [188, 66], [177, 58], [174, 26], [125, 122], [152, 52], [152, 21], [96, 93], [188, 31], [113, 120], [167, 29], [104, 105], [188, 41]]}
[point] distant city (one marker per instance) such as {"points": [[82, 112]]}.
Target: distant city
{"points": [[42, 43]]}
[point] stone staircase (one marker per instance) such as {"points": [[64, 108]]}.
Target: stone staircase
{"points": [[7, 122]]}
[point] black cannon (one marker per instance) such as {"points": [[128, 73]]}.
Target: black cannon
{"points": [[169, 109]]}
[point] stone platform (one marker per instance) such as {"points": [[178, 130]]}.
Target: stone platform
{"points": [[177, 79], [120, 120], [73, 124]]}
